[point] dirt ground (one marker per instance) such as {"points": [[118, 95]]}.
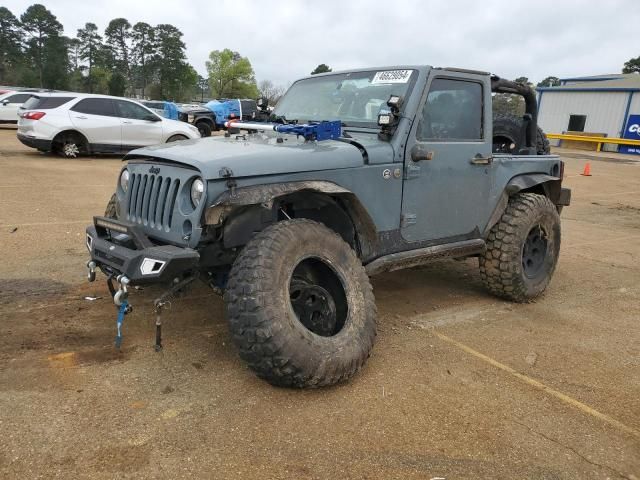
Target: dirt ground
{"points": [[459, 385]]}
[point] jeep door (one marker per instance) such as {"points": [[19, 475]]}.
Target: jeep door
{"points": [[140, 126], [9, 106], [96, 119], [446, 192]]}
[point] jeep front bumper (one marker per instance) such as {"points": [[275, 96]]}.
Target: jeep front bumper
{"points": [[119, 247]]}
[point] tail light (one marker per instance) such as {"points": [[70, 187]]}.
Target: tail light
{"points": [[33, 115]]}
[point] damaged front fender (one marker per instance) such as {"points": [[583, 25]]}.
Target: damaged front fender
{"points": [[245, 210], [263, 195]]}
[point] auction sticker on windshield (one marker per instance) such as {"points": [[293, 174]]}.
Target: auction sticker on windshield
{"points": [[392, 76]]}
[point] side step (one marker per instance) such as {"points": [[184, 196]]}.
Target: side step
{"points": [[421, 256]]}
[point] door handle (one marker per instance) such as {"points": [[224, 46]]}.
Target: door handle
{"points": [[126, 121], [81, 117], [480, 160]]}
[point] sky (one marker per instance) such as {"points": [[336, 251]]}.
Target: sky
{"points": [[286, 39]]}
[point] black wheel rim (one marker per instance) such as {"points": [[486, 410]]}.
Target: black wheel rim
{"points": [[318, 298], [534, 251]]}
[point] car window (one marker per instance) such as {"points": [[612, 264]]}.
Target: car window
{"points": [[18, 98], [45, 103], [95, 106], [132, 110], [452, 112]]}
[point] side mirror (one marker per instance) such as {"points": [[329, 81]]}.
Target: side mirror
{"points": [[152, 118], [5, 102], [420, 152], [262, 103]]}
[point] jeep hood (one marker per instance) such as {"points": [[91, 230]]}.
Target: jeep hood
{"points": [[265, 156]]}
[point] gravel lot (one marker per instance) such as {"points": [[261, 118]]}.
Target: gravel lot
{"points": [[460, 385]]}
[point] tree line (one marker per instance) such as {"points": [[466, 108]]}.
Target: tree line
{"points": [[139, 60], [126, 59]]}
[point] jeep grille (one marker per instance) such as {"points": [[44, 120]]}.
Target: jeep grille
{"points": [[151, 200]]}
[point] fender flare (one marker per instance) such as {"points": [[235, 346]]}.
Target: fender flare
{"points": [[204, 118], [550, 184], [552, 187], [266, 195]]}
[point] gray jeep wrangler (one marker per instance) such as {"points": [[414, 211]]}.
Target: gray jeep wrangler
{"points": [[362, 172]]}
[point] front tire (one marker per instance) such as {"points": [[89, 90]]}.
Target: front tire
{"points": [[176, 138], [300, 306], [204, 128], [522, 249]]}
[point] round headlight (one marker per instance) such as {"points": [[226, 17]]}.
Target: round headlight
{"points": [[197, 191], [124, 180]]}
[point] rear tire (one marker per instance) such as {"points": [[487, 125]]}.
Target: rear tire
{"points": [[70, 145], [176, 138], [522, 249], [508, 136], [300, 306]]}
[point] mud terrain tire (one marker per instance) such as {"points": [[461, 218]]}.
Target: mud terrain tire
{"points": [[508, 136], [204, 128], [522, 249], [292, 272]]}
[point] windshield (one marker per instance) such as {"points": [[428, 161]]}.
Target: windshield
{"points": [[355, 98]]}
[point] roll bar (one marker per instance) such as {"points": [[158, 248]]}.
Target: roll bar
{"points": [[500, 85]]}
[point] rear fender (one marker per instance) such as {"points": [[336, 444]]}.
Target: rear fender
{"points": [[536, 182], [543, 184]]}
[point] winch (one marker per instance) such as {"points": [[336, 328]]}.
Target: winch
{"points": [[309, 131]]}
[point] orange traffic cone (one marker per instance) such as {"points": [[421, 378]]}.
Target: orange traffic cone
{"points": [[587, 170]]}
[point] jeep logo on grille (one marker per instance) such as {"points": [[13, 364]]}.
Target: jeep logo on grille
{"points": [[154, 170]]}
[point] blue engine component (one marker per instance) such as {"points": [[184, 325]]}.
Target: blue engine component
{"points": [[315, 131]]}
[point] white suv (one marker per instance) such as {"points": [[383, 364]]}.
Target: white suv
{"points": [[9, 104], [75, 123]]}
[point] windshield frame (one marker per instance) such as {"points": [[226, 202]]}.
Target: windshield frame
{"points": [[348, 123]]}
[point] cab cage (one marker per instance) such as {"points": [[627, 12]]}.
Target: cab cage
{"points": [[500, 85]]}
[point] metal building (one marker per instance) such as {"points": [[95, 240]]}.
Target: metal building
{"points": [[602, 104]]}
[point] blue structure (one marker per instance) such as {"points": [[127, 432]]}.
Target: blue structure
{"points": [[606, 101], [225, 109], [632, 132], [170, 111]]}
